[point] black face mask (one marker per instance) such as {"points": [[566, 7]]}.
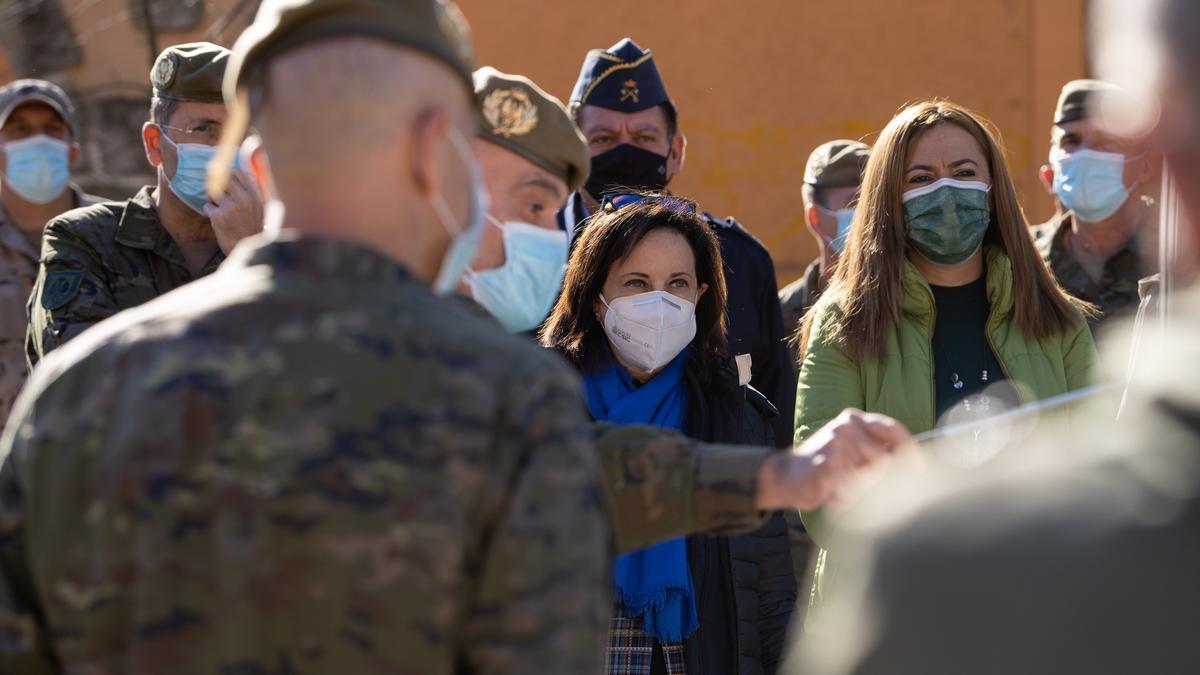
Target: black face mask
{"points": [[626, 166]]}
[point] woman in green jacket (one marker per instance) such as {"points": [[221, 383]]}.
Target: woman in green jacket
{"points": [[940, 302]]}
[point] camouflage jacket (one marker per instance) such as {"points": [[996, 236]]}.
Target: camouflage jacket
{"points": [[799, 296], [97, 261], [18, 270], [1117, 292], [308, 463]]}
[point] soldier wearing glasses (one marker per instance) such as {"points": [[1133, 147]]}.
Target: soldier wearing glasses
{"points": [[99, 260]]}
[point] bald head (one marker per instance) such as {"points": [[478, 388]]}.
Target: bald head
{"points": [[347, 99], [363, 139]]}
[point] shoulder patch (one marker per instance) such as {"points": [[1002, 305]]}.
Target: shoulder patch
{"points": [[60, 287], [719, 222]]}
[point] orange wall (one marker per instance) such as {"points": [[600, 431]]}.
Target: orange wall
{"points": [[759, 83]]}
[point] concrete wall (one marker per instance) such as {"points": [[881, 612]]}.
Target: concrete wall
{"points": [[759, 83]]}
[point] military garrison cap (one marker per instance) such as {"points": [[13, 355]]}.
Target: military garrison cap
{"points": [[190, 72], [21, 92], [837, 164], [622, 78], [518, 116], [1079, 97]]}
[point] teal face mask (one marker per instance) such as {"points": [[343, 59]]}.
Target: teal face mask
{"points": [[521, 292], [947, 219], [38, 168]]}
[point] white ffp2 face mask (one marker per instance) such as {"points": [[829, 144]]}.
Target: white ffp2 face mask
{"points": [[647, 330]]}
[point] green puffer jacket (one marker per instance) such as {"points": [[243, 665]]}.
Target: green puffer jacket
{"points": [[901, 386]]}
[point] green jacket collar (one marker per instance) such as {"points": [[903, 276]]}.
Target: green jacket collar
{"points": [[917, 299], [140, 228]]}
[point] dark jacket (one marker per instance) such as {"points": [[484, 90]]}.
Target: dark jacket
{"points": [[756, 321], [745, 585]]}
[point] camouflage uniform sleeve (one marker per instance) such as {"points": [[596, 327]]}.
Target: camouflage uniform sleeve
{"points": [[542, 601], [24, 643], [70, 293], [659, 484]]}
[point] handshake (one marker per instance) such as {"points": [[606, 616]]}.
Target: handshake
{"points": [[826, 466]]}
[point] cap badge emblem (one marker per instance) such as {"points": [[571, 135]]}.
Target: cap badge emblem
{"points": [[164, 71], [629, 91], [510, 112]]}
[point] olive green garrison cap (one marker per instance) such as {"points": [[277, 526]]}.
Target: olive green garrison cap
{"points": [[190, 72], [837, 164]]}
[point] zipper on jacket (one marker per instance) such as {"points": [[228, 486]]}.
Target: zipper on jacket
{"points": [[932, 367], [1003, 369]]}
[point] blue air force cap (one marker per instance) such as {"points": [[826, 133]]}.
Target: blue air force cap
{"points": [[622, 78]]}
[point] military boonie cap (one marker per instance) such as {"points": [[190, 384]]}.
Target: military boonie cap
{"points": [[519, 116], [622, 78], [837, 164], [1079, 99], [190, 72], [23, 92]]}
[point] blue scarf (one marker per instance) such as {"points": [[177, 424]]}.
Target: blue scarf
{"points": [[654, 582]]}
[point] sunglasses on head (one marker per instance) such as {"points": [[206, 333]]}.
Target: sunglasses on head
{"points": [[619, 200]]}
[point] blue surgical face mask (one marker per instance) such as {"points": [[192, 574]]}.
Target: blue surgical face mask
{"points": [[38, 168], [191, 172], [844, 218], [521, 292], [464, 244], [1090, 183]]}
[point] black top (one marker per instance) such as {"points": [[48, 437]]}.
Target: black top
{"points": [[963, 362]]}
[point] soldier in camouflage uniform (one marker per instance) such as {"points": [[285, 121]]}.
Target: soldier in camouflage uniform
{"points": [[1103, 245], [100, 260], [308, 461], [38, 131], [830, 190]]}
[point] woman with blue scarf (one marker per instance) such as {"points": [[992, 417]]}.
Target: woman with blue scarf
{"points": [[642, 315]]}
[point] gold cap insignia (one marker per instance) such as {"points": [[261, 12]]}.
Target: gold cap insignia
{"points": [[164, 71], [629, 91], [510, 112]]}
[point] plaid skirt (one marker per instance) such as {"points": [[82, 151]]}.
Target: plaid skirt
{"points": [[631, 649]]}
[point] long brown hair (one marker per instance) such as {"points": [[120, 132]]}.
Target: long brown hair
{"points": [[868, 280], [609, 236]]}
